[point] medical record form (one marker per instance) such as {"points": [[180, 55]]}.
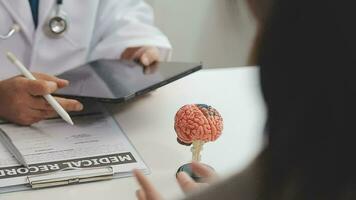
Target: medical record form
{"points": [[95, 148]]}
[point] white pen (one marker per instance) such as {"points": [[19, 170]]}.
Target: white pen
{"points": [[50, 99]]}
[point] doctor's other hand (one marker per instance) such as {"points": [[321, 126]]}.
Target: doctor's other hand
{"points": [[21, 99], [187, 184], [146, 55]]}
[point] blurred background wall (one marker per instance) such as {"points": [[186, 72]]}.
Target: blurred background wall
{"points": [[217, 32]]}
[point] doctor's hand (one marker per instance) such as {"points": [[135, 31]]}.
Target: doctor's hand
{"points": [[187, 184], [21, 99], [146, 55]]}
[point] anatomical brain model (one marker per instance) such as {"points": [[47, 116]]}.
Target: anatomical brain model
{"points": [[197, 124]]}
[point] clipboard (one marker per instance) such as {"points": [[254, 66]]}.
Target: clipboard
{"points": [[76, 170]]}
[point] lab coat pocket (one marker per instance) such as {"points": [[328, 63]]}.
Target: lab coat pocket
{"points": [[76, 42]]}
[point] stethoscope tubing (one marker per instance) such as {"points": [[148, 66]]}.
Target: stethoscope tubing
{"points": [[15, 28]]}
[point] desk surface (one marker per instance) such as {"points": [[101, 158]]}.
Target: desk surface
{"points": [[148, 122]]}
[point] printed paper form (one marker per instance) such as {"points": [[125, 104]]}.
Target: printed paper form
{"points": [[55, 140]]}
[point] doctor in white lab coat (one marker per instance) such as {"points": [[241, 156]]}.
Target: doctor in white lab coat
{"points": [[112, 29]]}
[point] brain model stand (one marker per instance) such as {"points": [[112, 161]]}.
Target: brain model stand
{"points": [[196, 125]]}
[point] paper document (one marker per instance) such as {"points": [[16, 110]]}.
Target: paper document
{"points": [[95, 140]]}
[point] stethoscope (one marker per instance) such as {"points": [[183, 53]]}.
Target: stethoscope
{"points": [[55, 26]]}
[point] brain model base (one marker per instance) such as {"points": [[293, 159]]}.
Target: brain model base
{"points": [[197, 124]]}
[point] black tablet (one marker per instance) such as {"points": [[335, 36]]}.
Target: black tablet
{"points": [[118, 81]]}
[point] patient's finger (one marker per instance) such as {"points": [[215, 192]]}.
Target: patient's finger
{"points": [[186, 182], [140, 194], [149, 190], [203, 171]]}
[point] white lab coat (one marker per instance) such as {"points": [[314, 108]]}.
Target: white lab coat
{"points": [[97, 29]]}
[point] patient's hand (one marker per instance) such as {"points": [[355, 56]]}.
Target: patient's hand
{"points": [[207, 175], [21, 99], [146, 55], [187, 184]]}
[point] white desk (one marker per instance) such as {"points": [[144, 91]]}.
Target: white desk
{"points": [[148, 122]]}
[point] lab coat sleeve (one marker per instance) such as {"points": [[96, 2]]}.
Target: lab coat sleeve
{"points": [[122, 24]]}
